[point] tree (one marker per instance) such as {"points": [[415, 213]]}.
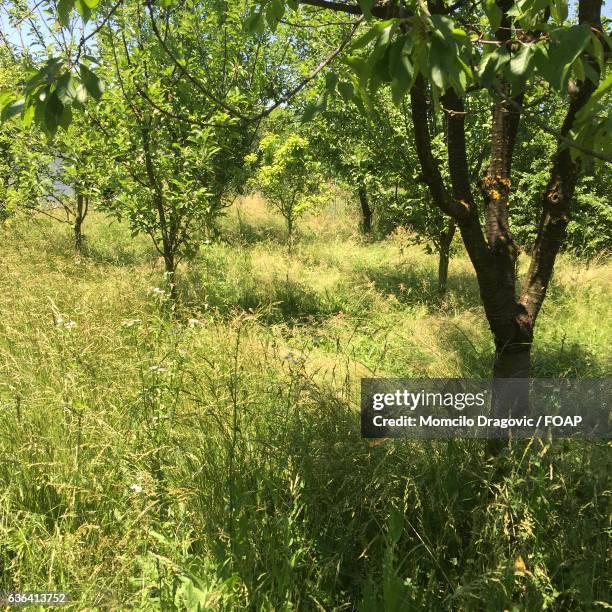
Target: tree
{"points": [[439, 55], [373, 151], [288, 177]]}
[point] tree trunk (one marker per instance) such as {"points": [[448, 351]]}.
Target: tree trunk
{"points": [[289, 220], [79, 217], [366, 211], [446, 239], [170, 267]]}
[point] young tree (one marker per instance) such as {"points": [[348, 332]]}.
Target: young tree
{"points": [[288, 177]]}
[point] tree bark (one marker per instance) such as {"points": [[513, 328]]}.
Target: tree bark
{"points": [[446, 239], [82, 205], [289, 220], [167, 229], [366, 211]]}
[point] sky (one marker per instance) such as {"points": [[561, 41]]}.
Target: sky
{"points": [[13, 36]]}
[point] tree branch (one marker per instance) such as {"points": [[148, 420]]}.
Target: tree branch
{"points": [[556, 199], [382, 12]]}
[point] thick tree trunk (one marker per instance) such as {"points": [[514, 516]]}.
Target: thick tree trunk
{"points": [[366, 211], [493, 252], [446, 239]]}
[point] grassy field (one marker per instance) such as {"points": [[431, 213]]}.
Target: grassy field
{"points": [[209, 455]]}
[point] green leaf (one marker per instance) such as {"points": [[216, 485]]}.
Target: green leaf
{"points": [[28, 114], [555, 61], [365, 39], [64, 8], [274, 13], [53, 112], [92, 83], [520, 63], [254, 23], [604, 88], [331, 80], [598, 52], [559, 10], [401, 70], [12, 109], [346, 90], [491, 66], [494, 14], [83, 9], [5, 98], [437, 62], [313, 109], [65, 88], [65, 118], [366, 7], [91, 4], [359, 66], [395, 526]]}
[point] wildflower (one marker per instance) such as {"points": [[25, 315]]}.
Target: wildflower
{"points": [[193, 322], [131, 323], [160, 292], [61, 322], [136, 488], [158, 369]]}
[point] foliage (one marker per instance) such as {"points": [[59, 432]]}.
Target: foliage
{"points": [[288, 176]]}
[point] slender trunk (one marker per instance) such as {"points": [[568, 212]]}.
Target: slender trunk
{"points": [[366, 211], [290, 233], [446, 239], [79, 218], [168, 233], [170, 267]]}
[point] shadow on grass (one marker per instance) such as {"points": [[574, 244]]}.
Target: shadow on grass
{"points": [[280, 301], [249, 234], [548, 360], [420, 285]]}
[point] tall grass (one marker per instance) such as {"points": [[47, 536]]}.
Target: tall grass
{"points": [[209, 456]]}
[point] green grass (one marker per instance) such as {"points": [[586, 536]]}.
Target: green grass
{"points": [[211, 456]]}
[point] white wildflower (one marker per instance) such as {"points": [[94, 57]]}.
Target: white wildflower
{"points": [[158, 369], [160, 292], [131, 323], [193, 322], [136, 488]]}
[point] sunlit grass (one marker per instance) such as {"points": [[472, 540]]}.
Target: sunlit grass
{"points": [[152, 458]]}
